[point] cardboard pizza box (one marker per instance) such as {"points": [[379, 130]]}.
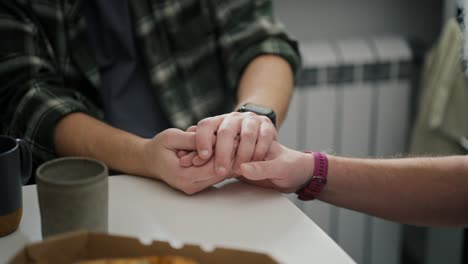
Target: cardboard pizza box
{"points": [[78, 246]]}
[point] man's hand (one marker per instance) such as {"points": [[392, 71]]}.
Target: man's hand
{"points": [[245, 136], [283, 169], [160, 160], [128, 153]]}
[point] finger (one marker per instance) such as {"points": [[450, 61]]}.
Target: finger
{"points": [[258, 170], [205, 183], [224, 148], [197, 161], [179, 140], [274, 151], [262, 183], [206, 129], [201, 185], [210, 181], [265, 138], [233, 173], [236, 144], [248, 139], [186, 161], [200, 174], [182, 153]]}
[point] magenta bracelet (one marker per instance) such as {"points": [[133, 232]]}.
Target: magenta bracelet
{"points": [[320, 164], [318, 180]]}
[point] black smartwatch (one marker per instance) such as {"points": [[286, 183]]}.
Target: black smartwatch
{"points": [[259, 110]]}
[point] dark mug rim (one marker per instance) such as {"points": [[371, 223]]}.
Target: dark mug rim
{"points": [[11, 150], [103, 172]]}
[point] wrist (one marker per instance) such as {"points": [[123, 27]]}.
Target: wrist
{"points": [[137, 156], [307, 163]]}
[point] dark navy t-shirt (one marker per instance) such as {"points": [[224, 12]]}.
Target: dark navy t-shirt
{"points": [[129, 102]]}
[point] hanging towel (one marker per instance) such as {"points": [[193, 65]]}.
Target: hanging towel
{"points": [[441, 126]]}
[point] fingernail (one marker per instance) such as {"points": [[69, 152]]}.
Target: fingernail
{"points": [[221, 170], [204, 153]]}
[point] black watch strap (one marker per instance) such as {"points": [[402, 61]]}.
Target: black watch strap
{"points": [[259, 110]]}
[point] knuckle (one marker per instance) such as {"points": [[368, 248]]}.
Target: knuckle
{"points": [[269, 132], [251, 121], [265, 119], [204, 122], [226, 131], [170, 133], [249, 114], [170, 130], [192, 128], [248, 134]]}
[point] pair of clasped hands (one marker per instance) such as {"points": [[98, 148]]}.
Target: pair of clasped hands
{"points": [[241, 145]]}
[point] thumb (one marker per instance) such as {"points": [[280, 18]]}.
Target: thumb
{"points": [[258, 170], [180, 140]]}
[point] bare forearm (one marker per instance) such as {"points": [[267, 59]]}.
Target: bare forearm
{"points": [[268, 81], [421, 191], [81, 135]]}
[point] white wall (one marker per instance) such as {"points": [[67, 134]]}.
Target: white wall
{"points": [[341, 19]]}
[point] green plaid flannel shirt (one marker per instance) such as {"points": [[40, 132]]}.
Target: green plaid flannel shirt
{"points": [[195, 52]]}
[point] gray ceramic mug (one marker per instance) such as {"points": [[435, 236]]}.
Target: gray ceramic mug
{"points": [[73, 195], [15, 170]]}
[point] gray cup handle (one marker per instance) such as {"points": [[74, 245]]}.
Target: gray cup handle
{"points": [[26, 160]]}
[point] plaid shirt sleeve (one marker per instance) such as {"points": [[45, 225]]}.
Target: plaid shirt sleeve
{"points": [[247, 30], [32, 94]]}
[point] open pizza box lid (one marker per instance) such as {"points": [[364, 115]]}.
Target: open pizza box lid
{"points": [[79, 246]]}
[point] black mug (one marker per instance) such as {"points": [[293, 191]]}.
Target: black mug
{"points": [[15, 170]]}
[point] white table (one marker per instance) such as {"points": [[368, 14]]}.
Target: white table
{"points": [[231, 214]]}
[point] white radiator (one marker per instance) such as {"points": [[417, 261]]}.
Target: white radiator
{"points": [[352, 99]]}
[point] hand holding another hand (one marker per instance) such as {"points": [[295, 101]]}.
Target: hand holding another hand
{"points": [[161, 162], [172, 156], [283, 169], [230, 139]]}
